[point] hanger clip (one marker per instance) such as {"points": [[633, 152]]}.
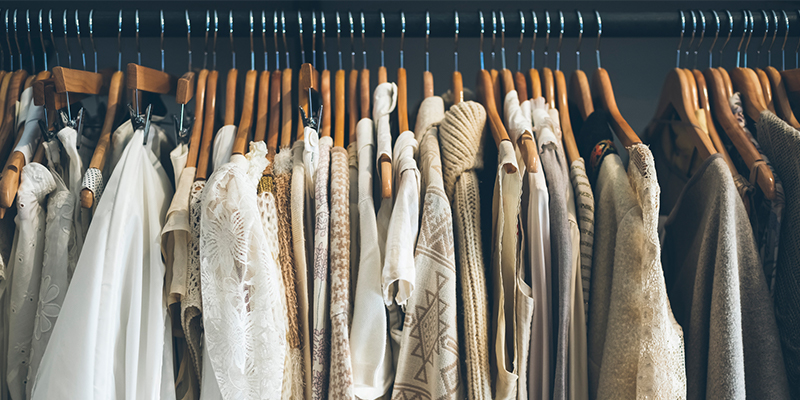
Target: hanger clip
{"points": [[47, 134], [140, 121], [76, 124], [182, 127], [310, 122]]}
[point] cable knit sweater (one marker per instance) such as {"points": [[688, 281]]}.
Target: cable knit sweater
{"points": [[461, 147]]}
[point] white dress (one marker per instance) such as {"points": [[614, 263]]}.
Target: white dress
{"points": [[243, 312], [112, 338]]}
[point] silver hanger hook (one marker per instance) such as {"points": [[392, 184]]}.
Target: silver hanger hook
{"points": [[188, 37], [52, 38], [314, 38], [764, 39], [455, 40], [702, 36], [302, 48], [41, 40], [599, 34], [264, 37], [774, 36], [352, 40], [546, 36], [749, 36], [716, 36], [275, 37], [480, 17], [138, 49], [796, 56], [252, 51], [16, 40], [80, 44], [427, 41], [161, 21], [8, 42], [30, 42], [535, 20], [383, 38], [91, 38], [363, 41], [521, 38], [744, 33], [560, 38], [580, 38], [680, 41], [730, 32], [785, 38], [324, 47], [66, 42], [230, 31], [214, 41], [205, 42], [494, 35], [283, 34], [402, 37], [691, 39], [339, 39], [502, 40]]}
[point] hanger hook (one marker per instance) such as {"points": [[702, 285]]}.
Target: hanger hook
{"points": [[702, 36], [252, 51], [680, 41], [547, 36], [535, 21], [730, 32], [599, 33], [300, 26], [691, 38], [482, 56], [91, 37], [455, 40], [383, 38], [521, 38], [764, 39], [188, 37], [363, 41], [796, 57], [402, 37], [264, 37], [744, 33], [41, 40], [275, 37], [580, 38], [138, 49], [16, 40], [427, 41], [324, 46], [205, 42], [314, 39], [66, 42], [283, 34], [80, 44], [161, 20], [352, 40], [716, 36], [774, 36], [52, 38], [214, 41], [30, 42], [749, 36], [8, 41], [503, 39], [494, 36], [339, 39], [560, 38], [230, 31], [785, 38]]}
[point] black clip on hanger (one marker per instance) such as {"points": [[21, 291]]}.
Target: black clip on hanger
{"points": [[313, 97]]}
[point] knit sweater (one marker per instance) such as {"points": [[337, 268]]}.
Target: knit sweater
{"points": [[461, 145]]}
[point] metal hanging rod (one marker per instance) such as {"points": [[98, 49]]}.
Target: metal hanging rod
{"points": [[442, 25]]}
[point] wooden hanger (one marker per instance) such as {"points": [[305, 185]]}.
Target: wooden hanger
{"points": [[325, 92], [4, 94], [197, 127], [402, 81], [286, 105], [305, 82], [352, 91], [780, 99], [570, 145], [14, 91], [738, 137], [338, 134], [495, 122], [677, 94], [262, 111], [704, 104], [246, 119], [580, 91], [273, 134], [204, 158], [605, 99], [548, 87]]}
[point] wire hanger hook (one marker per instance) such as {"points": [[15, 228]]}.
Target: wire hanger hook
{"points": [[702, 36], [91, 38], [521, 38], [546, 36], [300, 26], [41, 40], [716, 36], [580, 38], [502, 40], [535, 20], [402, 37], [600, 33], [80, 44], [482, 55], [455, 41], [560, 38]]}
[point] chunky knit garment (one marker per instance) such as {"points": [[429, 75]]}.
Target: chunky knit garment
{"points": [[461, 139]]}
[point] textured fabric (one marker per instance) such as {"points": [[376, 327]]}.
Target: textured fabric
{"points": [[223, 146], [311, 149], [192, 302], [321, 306], [765, 214], [385, 96], [781, 143], [398, 267], [55, 274], [341, 368], [505, 211], [718, 292], [299, 222], [72, 176], [294, 372], [25, 274], [92, 352], [461, 140], [369, 342], [584, 199], [175, 238], [551, 157], [429, 363], [244, 329], [93, 180], [355, 242]]}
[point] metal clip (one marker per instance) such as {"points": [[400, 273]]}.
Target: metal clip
{"points": [[309, 121], [76, 124], [47, 134], [183, 127], [141, 121]]}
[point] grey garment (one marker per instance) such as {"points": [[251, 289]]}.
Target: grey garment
{"points": [[781, 143], [718, 292], [561, 260]]}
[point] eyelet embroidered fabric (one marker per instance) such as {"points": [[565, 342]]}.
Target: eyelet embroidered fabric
{"points": [[93, 180], [243, 313]]}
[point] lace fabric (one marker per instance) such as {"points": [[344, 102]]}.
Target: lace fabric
{"points": [[243, 311], [192, 302]]}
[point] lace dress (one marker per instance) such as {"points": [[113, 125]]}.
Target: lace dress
{"points": [[243, 317], [112, 338]]}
